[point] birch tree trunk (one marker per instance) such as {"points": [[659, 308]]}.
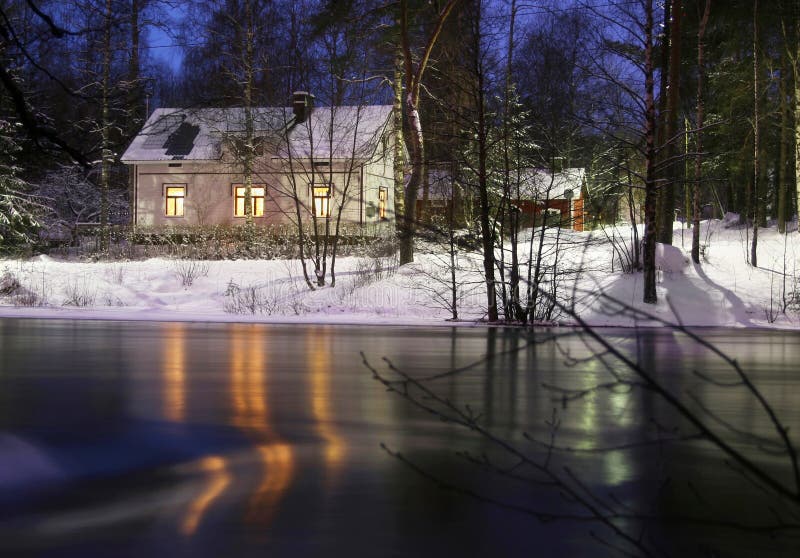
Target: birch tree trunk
{"points": [[399, 156]]}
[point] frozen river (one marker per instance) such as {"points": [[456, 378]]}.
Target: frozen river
{"points": [[177, 439]]}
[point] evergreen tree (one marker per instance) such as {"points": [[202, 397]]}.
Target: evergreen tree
{"points": [[18, 223]]}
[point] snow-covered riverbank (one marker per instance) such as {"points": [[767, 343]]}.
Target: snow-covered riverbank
{"points": [[723, 291]]}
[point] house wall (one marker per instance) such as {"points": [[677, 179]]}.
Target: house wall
{"points": [[532, 209], [210, 200], [379, 173], [578, 214]]}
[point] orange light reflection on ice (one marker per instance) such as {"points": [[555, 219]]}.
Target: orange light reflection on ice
{"points": [[248, 371], [319, 360], [174, 370], [217, 482]]}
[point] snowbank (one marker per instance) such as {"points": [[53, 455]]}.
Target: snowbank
{"points": [[722, 291]]}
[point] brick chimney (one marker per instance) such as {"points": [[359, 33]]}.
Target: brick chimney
{"points": [[302, 104]]}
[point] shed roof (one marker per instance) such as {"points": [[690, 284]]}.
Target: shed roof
{"points": [[535, 184], [541, 184]]}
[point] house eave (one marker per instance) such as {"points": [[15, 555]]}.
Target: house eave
{"points": [[162, 161]]}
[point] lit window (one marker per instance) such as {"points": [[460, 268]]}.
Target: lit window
{"points": [[383, 196], [322, 200], [257, 194], [175, 195]]}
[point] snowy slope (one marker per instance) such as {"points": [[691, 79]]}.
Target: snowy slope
{"points": [[722, 291]]}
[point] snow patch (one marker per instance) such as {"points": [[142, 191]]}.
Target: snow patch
{"points": [[670, 259]]}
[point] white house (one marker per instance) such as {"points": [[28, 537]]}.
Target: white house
{"points": [[188, 165]]}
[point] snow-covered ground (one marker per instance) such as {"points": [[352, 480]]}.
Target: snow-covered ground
{"points": [[723, 291]]}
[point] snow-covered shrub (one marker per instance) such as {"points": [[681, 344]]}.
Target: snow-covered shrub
{"points": [[117, 273], [793, 297], [190, 270], [215, 242], [228, 242], [21, 292], [78, 294], [249, 299], [626, 253], [28, 286], [9, 284], [24, 297], [110, 299], [367, 271], [375, 265]]}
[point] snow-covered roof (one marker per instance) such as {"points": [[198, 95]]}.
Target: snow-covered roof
{"points": [[536, 184], [198, 134], [541, 184]]}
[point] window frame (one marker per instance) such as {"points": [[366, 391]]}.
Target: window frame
{"points": [[167, 198], [325, 199], [253, 199], [383, 201]]}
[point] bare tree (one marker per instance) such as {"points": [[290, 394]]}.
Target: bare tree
{"points": [[414, 72], [630, 119], [18, 52], [761, 457], [72, 197]]}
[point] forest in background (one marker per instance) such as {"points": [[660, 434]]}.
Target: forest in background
{"points": [[685, 107]]}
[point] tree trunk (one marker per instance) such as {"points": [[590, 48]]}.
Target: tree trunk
{"points": [[756, 146], [399, 158], [249, 63], [661, 123], [650, 296], [106, 156], [136, 110], [136, 115], [517, 312], [415, 138], [636, 265], [796, 70], [783, 178], [487, 228], [698, 169], [688, 220], [669, 148]]}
